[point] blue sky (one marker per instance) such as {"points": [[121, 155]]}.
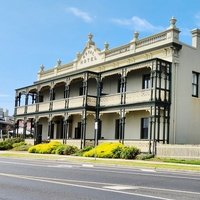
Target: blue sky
{"points": [[35, 32]]}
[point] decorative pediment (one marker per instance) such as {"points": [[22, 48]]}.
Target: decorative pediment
{"points": [[90, 55]]}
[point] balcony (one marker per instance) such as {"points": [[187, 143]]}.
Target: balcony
{"points": [[131, 98], [91, 101], [43, 106], [20, 110], [110, 100], [31, 108], [138, 96], [73, 102], [58, 104]]}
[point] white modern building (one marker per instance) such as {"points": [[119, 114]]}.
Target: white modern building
{"points": [[143, 92]]}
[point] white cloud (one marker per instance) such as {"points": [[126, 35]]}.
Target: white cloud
{"points": [[137, 24], [81, 14]]}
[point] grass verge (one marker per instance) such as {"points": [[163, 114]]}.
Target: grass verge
{"points": [[158, 164]]}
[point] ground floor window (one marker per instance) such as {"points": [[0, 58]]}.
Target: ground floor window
{"points": [[144, 128]]}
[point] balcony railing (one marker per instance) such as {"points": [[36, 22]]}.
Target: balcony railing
{"points": [[78, 101], [58, 104], [131, 97], [138, 96], [43, 106], [20, 110], [91, 101], [31, 108], [110, 100], [75, 102]]}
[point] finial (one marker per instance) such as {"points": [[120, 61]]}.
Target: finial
{"points": [[41, 68], [78, 54], [136, 35], [90, 42], [173, 22], [90, 36], [59, 62], [106, 46]]}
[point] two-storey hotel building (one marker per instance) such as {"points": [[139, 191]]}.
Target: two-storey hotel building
{"points": [[143, 92]]}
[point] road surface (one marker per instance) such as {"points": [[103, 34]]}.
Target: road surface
{"points": [[24, 179]]}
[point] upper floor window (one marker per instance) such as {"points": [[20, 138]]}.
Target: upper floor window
{"points": [[195, 84], [146, 81], [81, 90]]}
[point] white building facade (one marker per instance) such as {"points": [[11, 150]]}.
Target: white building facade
{"points": [[141, 93]]}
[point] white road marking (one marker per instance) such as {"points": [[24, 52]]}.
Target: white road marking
{"points": [[121, 187], [61, 166], [32, 178], [148, 170], [87, 165]]}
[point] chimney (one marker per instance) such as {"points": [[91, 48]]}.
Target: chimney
{"points": [[196, 38]]}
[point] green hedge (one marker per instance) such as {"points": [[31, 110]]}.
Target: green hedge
{"points": [[66, 150], [46, 148], [8, 144], [104, 150], [113, 150], [53, 148]]}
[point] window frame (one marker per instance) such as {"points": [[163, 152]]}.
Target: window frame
{"points": [[146, 81], [195, 84]]}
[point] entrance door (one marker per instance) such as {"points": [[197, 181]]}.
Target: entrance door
{"points": [[117, 129], [39, 134], [78, 131]]}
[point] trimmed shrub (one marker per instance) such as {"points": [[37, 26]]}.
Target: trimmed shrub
{"points": [[18, 144], [117, 152], [60, 149], [5, 145], [22, 147], [48, 148], [8, 144], [129, 152], [80, 152], [69, 150], [104, 150]]}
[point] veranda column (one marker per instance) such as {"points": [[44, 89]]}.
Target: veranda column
{"points": [[17, 128], [24, 128], [84, 111], [31, 128], [122, 121], [123, 84], [35, 136], [83, 129], [97, 133], [26, 102], [19, 99], [65, 129], [37, 100], [67, 93], [16, 104], [49, 129], [51, 97]]}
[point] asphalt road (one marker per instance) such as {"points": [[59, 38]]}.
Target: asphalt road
{"points": [[23, 179]]}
